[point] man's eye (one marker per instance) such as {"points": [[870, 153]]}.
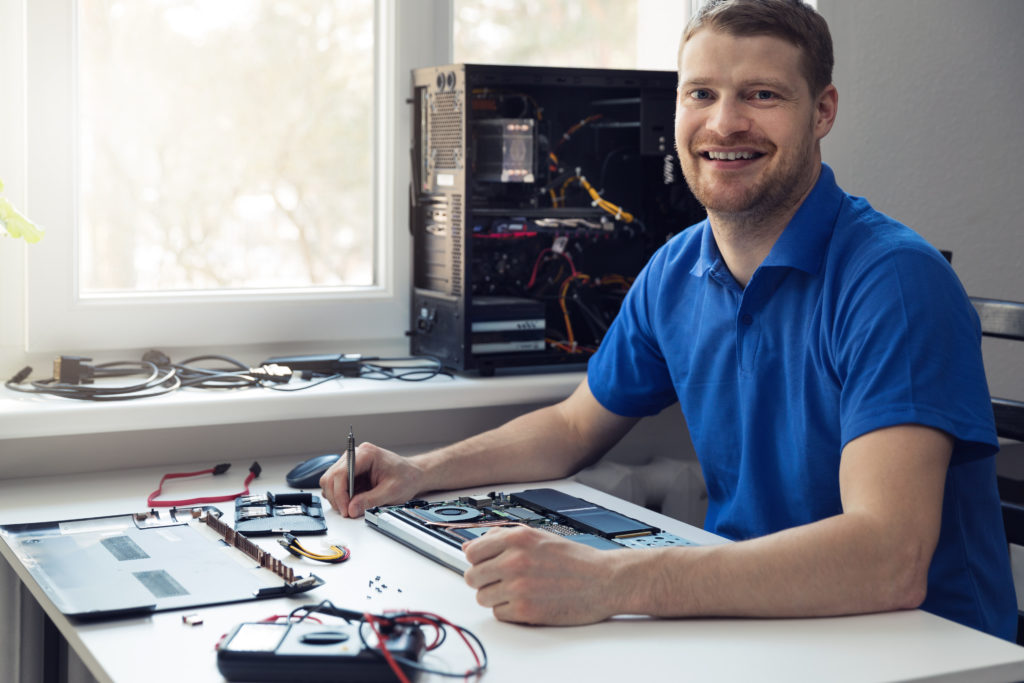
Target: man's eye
{"points": [[764, 95], [700, 94]]}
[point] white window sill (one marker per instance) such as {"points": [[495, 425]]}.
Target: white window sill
{"points": [[33, 416], [39, 433]]}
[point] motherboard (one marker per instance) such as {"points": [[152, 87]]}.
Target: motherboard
{"points": [[439, 528]]}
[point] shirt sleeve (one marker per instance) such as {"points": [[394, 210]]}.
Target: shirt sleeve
{"points": [[909, 351], [628, 374]]}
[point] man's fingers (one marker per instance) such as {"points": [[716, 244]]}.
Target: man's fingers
{"points": [[365, 453], [493, 556], [334, 482], [381, 478], [488, 546], [361, 502]]}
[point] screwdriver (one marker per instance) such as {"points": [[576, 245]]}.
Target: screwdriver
{"points": [[351, 463]]}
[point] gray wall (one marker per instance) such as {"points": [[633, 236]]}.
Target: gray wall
{"points": [[931, 112]]}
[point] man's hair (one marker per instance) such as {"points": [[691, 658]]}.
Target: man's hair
{"points": [[791, 20]]}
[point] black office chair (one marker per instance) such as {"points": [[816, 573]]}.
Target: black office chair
{"points": [[1005, 319]]}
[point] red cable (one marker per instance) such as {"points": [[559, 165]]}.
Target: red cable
{"points": [[536, 265], [431, 618], [458, 630], [540, 256], [372, 621], [421, 620], [274, 618], [152, 501], [572, 266]]}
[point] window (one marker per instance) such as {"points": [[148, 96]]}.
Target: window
{"points": [[607, 34], [218, 173], [224, 145]]}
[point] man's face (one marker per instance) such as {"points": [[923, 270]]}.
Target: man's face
{"points": [[747, 127]]}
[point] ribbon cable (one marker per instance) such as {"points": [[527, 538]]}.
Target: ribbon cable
{"points": [[254, 471]]}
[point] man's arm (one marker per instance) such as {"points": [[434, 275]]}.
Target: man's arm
{"points": [[872, 557], [548, 443]]}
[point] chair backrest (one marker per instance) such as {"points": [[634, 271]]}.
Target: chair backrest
{"points": [[1004, 319], [1000, 318]]}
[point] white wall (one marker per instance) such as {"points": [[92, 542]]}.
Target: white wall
{"points": [[931, 131]]}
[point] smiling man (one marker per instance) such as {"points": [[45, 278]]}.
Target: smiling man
{"points": [[825, 358]]}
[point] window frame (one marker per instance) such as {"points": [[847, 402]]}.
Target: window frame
{"points": [[58, 318]]}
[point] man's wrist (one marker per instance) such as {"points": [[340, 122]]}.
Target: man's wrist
{"points": [[629, 591], [642, 585], [427, 465]]}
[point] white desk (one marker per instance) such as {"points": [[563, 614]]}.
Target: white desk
{"points": [[883, 647]]}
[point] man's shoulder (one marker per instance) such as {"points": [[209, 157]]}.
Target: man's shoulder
{"points": [[876, 263], [866, 238]]}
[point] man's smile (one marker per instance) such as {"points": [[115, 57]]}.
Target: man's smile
{"points": [[716, 155], [730, 158]]}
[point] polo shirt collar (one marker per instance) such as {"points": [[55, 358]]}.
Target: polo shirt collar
{"points": [[805, 240], [709, 254]]}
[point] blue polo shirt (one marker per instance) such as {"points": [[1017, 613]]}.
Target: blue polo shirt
{"points": [[851, 324]]}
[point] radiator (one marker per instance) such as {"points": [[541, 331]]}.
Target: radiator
{"points": [[23, 658]]}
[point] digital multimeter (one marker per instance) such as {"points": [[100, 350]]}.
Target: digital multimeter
{"points": [[308, 651]]}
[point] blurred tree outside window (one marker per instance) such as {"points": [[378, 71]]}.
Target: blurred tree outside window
{"points": [[225, 144]]}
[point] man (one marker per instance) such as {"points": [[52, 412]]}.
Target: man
{"points": [[825, 358]]}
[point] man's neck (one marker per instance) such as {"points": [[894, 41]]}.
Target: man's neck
{"points": [[745, 244], [745, 239]]}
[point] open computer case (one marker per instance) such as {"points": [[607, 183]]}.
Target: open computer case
{"points": [[537, 196]]}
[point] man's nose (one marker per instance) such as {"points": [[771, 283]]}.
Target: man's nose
{"points": [[727, 117]]}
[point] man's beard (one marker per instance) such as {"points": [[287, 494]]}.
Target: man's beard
{"points": [[774, 192]]}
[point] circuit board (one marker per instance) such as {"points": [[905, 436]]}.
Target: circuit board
{"points": [[438, 529], [277, 513]]}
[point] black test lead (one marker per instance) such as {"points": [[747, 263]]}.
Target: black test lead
{"points": [[351, 463]]}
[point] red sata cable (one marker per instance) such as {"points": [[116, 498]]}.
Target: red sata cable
{"points": [[254, 471]]}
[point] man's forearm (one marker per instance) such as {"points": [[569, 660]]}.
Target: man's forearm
{"points": [[840, 565]]}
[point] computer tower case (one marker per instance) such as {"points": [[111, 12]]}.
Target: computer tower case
{"points": [[538, 194]]}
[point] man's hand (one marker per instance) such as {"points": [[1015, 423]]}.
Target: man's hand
{"points": [[382, 478], [535, 577]]}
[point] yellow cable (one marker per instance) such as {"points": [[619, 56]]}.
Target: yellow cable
{"points": [[614, 210], [292, 545]]}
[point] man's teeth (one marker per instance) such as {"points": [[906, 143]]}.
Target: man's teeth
{"points": [[731, 156]]}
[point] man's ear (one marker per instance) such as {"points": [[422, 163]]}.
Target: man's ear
{"points": [[825, 109]]}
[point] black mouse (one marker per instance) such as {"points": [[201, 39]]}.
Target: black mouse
{"points": [[306, 475]]}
